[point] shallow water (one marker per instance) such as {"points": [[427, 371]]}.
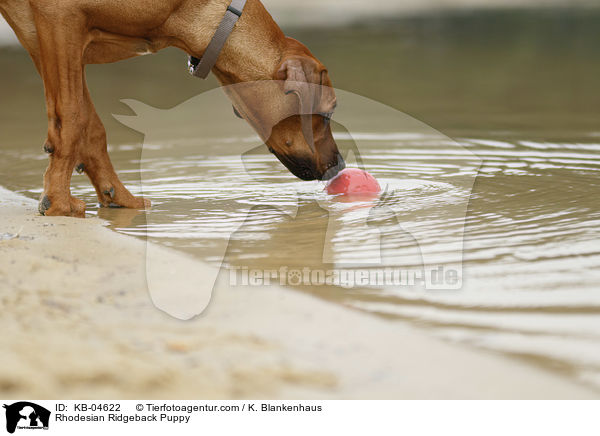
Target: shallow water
{"points": [[524, 103]]}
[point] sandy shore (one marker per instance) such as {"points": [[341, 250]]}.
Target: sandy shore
{"points": [[77, 321]]}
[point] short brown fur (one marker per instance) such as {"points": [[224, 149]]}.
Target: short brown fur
{"points": [[62, 36]]}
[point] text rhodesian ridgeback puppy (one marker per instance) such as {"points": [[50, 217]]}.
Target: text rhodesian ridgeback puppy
{"points": [[62, 36]]}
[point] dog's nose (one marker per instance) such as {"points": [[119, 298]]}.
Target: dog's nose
{"points": [[334, 167]]}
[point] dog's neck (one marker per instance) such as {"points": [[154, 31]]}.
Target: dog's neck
{"points": [[253, 52]]}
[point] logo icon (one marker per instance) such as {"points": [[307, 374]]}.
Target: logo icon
{"points": [[26, 415]]}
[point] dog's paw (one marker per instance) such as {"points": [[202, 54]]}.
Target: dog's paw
{"points": [[72, 207], [121, 197]]}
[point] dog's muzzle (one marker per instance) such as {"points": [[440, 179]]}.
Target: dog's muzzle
{"points": [[335, 168]]}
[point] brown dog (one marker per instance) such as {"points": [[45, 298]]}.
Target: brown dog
{"points": [[62, 36]]}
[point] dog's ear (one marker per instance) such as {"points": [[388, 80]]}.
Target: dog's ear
{"points": [[308, 79], [327, 100], [301, 74]]}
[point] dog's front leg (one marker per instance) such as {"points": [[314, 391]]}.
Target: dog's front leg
{"points": [[94, 160], [61, 45]]}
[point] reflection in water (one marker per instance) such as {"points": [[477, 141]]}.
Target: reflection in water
{"points": [[525, 102], [119, 218]]}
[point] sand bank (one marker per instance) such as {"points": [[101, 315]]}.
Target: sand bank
{"points": [[77, 321]]}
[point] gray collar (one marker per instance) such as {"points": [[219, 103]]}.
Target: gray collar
{"points": [[202, 67]]}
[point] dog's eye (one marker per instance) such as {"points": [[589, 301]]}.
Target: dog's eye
{"points": [[327, 118], [237, 113]]}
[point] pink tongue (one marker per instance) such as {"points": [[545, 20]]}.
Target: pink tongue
{"points": [[353, 181]]}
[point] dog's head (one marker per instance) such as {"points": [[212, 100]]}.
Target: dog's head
{"points": [[293, 115]]}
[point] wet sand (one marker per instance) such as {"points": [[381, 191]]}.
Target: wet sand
{"points": [[78, 323]]}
